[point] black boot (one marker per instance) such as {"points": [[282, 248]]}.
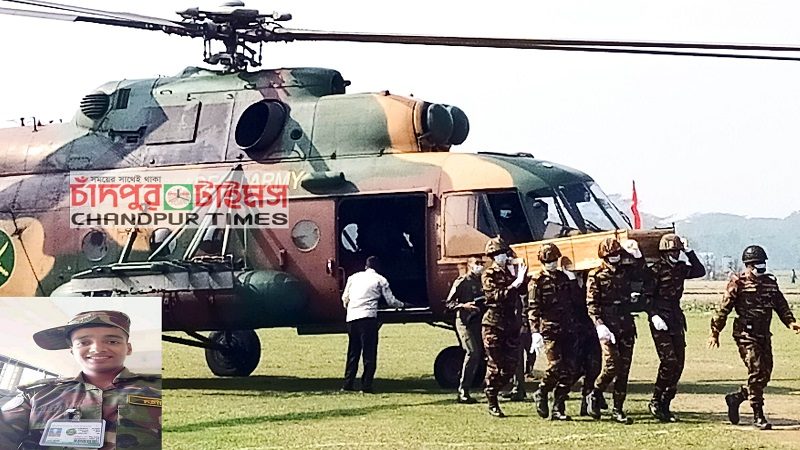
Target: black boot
{"points": [[734, 400], [494, 407], [656, 405], [759, 420], [618, 415], [464, 397], [669, 416], [603, 403], [593, 402], [540, 399], [584, 405], [559, 408], [656, 409]]}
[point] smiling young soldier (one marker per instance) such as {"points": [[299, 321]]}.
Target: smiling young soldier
{"points": [[106, 406]]}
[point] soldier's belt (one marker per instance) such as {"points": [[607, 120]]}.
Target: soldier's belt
{"points": [[741, 325]]}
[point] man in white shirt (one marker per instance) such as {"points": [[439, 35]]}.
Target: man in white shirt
{"points": [[360, 298]]}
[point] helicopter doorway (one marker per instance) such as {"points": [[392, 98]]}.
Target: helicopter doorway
{"points": [[393, 228]]}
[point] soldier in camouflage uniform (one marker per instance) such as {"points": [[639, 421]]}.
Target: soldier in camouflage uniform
{"points": [[754, 294], [466, 300], [607, 300], [553, 330], [517, 393], [586, 353], [129, 403], [667, 322], [501, 323]]}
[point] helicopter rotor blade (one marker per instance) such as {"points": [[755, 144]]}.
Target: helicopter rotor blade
{"points": [[38, 14], [637, 51], [91, 19], [633, 47], [153, 22]]}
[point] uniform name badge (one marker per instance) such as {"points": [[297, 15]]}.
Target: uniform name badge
{"points": [[74, 433]]}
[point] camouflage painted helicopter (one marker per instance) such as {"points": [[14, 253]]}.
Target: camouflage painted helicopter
{"points": [[365, 174]]}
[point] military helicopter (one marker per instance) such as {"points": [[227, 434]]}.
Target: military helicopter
{"points": [[365, 174]]}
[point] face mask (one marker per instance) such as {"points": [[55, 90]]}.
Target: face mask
{"points": [[613, 259], [760, 268], [551, 265], [501, 259], [476, 269]]}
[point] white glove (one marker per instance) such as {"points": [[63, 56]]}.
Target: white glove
{"points": [[537, 343], [605, 335], [659, 323], [522, 271], [685, 243]]}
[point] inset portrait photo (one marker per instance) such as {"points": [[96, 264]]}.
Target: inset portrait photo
{"points": [[80, 372]]}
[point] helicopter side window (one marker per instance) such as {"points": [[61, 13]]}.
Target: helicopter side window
{"points": [[468, 224], [509, 216], [470, 219], [549, 217]]}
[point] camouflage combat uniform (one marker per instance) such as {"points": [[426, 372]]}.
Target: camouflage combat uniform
{"points": [[466, 289], [670, 345], [754, 297], [607, 299], [587, 355], [517, 392], [551, 312], [501, 328], [131, 409]]}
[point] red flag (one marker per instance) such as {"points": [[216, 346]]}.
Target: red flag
{"points": [[637, 219]]}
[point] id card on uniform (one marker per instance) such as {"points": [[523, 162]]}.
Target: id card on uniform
{"points": [[74, 433]]}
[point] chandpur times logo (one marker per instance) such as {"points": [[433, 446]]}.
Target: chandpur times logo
{"points": [[181, 198]]}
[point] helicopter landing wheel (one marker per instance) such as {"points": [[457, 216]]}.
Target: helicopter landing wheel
{"points": [[241, 356], [447, 368]]}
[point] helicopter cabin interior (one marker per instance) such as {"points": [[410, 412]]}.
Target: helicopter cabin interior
{"points": [[393, 228]]}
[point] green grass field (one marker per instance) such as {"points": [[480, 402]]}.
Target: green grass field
{"points": [[291, 401]]}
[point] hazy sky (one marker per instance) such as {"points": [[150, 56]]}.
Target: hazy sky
{"points": [[698, 135]]}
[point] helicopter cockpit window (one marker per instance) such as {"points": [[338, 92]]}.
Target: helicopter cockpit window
{"points": [[592, 207], [548, 214]]}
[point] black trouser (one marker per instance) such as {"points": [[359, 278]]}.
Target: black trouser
{"points": [[363, 337]]}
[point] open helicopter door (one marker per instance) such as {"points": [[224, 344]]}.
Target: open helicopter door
{"points": [[394, 228]]}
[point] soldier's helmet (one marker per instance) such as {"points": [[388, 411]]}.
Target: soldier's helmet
{"points": [[549, 253], [670, 241], [608, 247], [495, 246], [754, 254]]}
